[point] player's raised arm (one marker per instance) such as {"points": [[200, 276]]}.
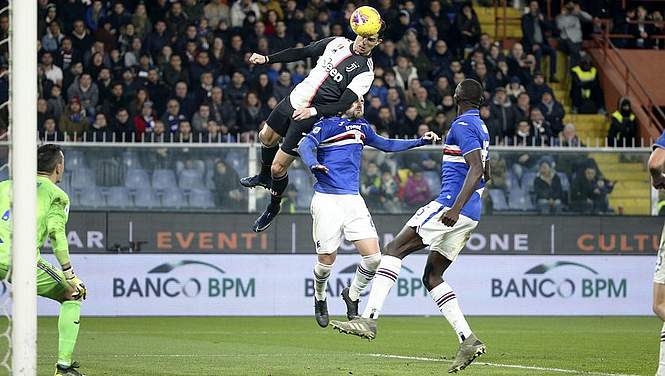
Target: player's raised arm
{"points": [[474, 161], [393, 145], [314, 49]]}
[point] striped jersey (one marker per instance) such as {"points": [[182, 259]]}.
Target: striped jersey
{"points": [[660, 142], [337, 69], [339, 144], [467, 133]]}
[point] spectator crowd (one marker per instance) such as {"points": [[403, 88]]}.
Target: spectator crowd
{"points": [[178, 71]]}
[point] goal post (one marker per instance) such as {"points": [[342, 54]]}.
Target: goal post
{"points": [[23, 133]]}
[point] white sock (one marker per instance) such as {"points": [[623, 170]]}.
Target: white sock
{"points": [[445, 299], [661, 360], [364, 274], [321, 274], [384, 279]]}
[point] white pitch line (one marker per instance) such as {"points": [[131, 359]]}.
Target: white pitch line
{"points": [[501, 365]]}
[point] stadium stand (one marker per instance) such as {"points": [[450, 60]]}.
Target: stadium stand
{"points": [[176, 72]]}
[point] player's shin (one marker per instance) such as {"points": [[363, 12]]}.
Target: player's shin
{"points": [[267, 156], [661, 359], [445, 299], [364, 274], [321, 274], [384, 279], [279, 185], [68, 330]]}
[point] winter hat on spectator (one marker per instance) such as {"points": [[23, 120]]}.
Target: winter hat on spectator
{"points": [[76, 100], [515, 80], [499, 88]]}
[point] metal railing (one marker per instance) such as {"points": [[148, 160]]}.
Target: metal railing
{"points": [[632, 83]]}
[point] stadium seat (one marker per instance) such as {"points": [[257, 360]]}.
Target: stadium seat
{"points": [[433, 181], [190, 179], [74, 159], [163, 179], [201, 198], [565, 183], [498, 197], [173, 197], [118, 197], [91, 197], [300, 179], [527, 180], [519, 199], [146, 198], [137, 178], [131, 159], [238, 159], [82, 178]]}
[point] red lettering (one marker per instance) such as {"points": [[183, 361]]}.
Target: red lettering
{"points": [[641, 242], [205, 240], [585, 243], [164, 240], [249, 239], [625, 247], [264, 241], [607, 247], [225, 241], [184, 242]]}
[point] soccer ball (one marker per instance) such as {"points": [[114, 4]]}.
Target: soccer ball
{"points": [[365, 21]]}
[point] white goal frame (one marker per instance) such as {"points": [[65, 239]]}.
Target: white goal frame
{"points": [[23, 135]]}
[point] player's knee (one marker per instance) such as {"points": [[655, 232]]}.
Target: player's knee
{"points": [[391, 249], [372, 261], [268, 137], [659, 309], [278, 169]]}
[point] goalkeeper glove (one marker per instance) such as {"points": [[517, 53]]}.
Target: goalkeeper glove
{"points": [[80, 291]]}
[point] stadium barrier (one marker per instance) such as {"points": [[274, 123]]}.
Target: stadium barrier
{"points": [[203, 177], [188, 232], [282, 285]]}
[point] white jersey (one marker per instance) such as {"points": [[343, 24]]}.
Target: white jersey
{"points": [[337, 69]]}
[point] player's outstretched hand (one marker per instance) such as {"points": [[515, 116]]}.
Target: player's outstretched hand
{"points": [[319, 168], [431, 136], [302, 114], [258, 59], [450, 217]]}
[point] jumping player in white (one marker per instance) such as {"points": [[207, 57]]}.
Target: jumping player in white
{"points": [[444, 225], [333, 152], [344, 71], [657, 170]]}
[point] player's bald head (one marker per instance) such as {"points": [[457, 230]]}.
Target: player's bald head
{"points": [[469, 92]]}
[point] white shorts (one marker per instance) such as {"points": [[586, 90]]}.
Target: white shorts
{"points": [[448, 241], [339, 215], [659, 274]]}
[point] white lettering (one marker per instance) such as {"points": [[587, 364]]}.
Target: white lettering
{"points": [[74, 239], [95, 239], [522, 242]]}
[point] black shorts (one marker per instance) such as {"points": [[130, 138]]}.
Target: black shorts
{"points": [[281, 121]]}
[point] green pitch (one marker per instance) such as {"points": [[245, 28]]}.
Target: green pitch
{"points": [[404, 346]]}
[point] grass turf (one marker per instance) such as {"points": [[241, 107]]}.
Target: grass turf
{"points": [[297, 346]]}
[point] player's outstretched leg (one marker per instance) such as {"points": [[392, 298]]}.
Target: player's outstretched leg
{"points": [[321, 274], [444, 297], [280, 180], [269, 146], [659, 309], [405, 243], [364, 274]]}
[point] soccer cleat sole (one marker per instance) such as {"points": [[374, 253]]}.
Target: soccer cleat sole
{"points": [[369, 337], [477, 354]]}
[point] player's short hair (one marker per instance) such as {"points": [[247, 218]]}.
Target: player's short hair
{"points": [[48, 156], [470, 92], [382, 30]]}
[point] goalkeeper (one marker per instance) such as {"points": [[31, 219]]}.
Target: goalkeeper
{"points": [[60, 285]]}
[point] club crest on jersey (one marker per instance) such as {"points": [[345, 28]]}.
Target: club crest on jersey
{"points": [[352, 67]]}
